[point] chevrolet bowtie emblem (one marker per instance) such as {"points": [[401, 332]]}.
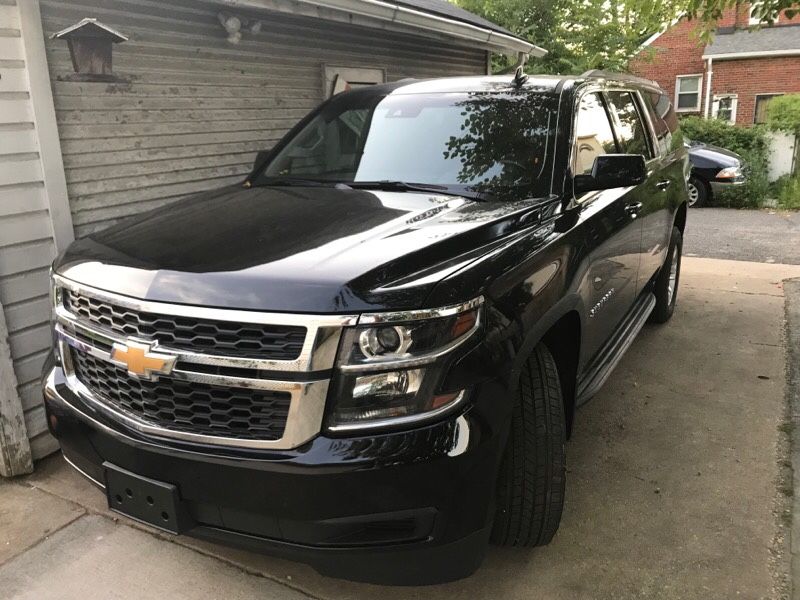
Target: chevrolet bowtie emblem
{"points": [[141, 360]]}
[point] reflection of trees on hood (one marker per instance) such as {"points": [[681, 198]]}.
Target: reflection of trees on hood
{"points": [[504, 145]]}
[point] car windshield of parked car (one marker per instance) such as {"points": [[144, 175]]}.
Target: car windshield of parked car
{"points": [[483, 142]]}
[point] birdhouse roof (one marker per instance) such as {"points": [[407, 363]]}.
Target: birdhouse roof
{"points": [[90, 27]]}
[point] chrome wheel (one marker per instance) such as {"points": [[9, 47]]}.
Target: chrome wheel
{"points": [[672, 286], [694, 194]]}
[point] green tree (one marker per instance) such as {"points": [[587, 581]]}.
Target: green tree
{"points": [[578, 34], [602, 34], [707, 12]]}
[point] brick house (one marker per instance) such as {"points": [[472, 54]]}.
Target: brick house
{"points": [[732, 78]]}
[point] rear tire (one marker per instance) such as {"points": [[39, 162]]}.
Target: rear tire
{"points": [[530, 487], [669, 276]]}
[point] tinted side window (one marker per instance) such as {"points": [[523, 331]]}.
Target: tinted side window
{"points": [[631, 131], [593, 134], [665, 121]]}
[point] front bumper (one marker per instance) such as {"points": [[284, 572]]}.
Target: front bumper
{"points": [[399, 508], [721, 185]]}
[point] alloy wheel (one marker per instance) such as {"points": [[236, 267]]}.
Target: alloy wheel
{"points": [[694, 194]]}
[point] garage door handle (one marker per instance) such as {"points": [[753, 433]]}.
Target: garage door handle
{"points": [[663, 185]]}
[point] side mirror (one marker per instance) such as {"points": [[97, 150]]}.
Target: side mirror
{"points": [[261, 159], [612, 171]]}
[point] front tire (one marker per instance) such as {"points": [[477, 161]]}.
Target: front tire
{"points": [[530, 487], [698, 192], [666, 287]]}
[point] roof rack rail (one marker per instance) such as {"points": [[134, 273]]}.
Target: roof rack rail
{"points": [[601, 74]]}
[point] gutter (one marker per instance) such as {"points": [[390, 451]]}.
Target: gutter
{"points": [[709, 75], [759, 54], [409, 17]]}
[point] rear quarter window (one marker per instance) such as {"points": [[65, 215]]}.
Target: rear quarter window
{"points": [[665, 121]]}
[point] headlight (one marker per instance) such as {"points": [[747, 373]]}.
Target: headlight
{"points": [[390, 366], [730, 173], [55, 302]]}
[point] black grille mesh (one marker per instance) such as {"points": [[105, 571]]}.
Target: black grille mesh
{"points": [[192, 407], [227, 338]]}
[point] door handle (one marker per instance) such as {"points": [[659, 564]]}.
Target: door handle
{"points": [[633, 209], [663, 185]]}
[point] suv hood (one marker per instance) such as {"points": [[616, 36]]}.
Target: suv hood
{"points": [[294, 249]]}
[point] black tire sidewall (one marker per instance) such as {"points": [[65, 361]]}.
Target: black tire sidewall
{"points": [[531, 480], [665, 304]]}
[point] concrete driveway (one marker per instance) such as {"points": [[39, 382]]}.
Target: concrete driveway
{"points": [[678, 486]]}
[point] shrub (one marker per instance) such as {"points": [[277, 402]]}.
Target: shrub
{"points": [[783, 114], [753, 147], [787, 191]]}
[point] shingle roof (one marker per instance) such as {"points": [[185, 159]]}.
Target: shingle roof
{"points": [[743, 41], [450, 10]]}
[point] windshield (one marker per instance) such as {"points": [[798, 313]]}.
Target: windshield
{"points": [[483, 142]]}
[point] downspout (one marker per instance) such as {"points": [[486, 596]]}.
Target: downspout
{"points": [[709, 75]]}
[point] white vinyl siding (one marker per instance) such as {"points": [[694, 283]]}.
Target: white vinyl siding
{"points": [[193, 109], [30, 166]]}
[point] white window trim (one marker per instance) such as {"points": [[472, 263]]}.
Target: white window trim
{"points": [[696, 108], [734, 105]]}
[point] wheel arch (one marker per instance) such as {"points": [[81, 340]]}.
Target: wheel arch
{"points": [[563, 340], [680, 217], [560, 331]]}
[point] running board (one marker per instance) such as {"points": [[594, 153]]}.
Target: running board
{"points": [[601, 367]]}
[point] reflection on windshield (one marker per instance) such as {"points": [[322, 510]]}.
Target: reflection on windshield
{"points": [[485, 142]]}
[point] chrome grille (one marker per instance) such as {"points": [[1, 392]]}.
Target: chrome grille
{"points": [[229, 338], [237, 413], [257, 380]]}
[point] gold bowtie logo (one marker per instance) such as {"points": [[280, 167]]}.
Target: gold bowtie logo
{"points": [[141, 361]]}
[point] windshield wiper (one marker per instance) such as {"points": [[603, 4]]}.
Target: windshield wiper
{"points": [[389, 185]]}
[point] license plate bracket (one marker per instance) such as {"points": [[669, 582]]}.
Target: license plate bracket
{"points": [[155, 503]]}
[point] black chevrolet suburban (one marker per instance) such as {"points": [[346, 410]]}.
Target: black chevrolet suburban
{"points": [[369, 354]]}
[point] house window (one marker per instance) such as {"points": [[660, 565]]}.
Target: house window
{"points": [[756, 15], [341, 79], [762, 101], [687, 92], [724, 108]]}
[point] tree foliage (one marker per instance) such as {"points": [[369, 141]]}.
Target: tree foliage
{"points": [[707, 12], [783, 114], [510, 131], [602, 34], [578, 34]]}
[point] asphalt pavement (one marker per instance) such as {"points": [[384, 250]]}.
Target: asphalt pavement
{"points": [[769, 236]]}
